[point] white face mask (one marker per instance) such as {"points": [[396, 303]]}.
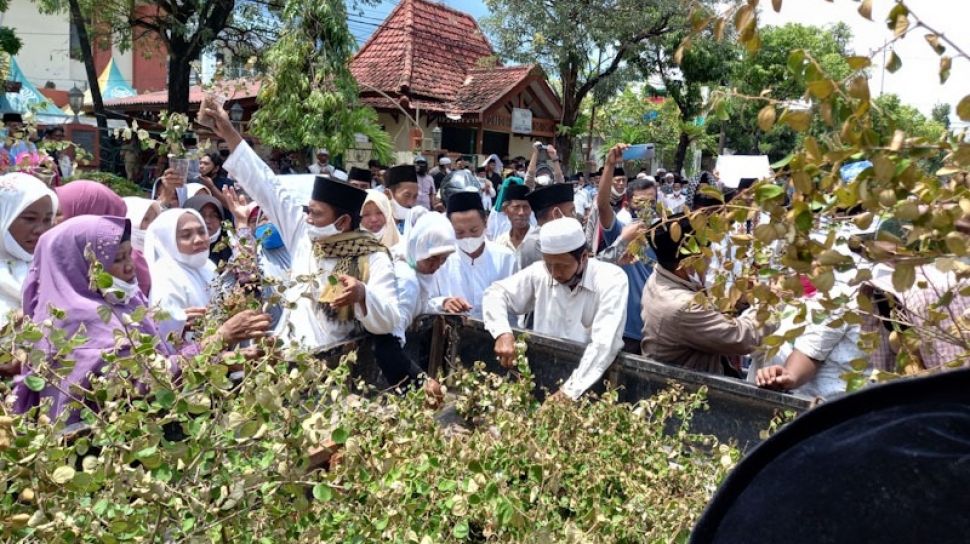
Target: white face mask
{"points": [[138, 239], [120, 291], [14, 249], [215, 237], [615, 193], [196, 260], [400, 212], [471, 245], [322, 233]]}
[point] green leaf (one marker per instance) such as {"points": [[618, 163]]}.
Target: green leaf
{"points": [[768, 191], [165, 398], [103, 280], [35, 383], [104, 312], [339, 435], [332, 279], [322, 492], [904, 276], [62, 474], [461, 530], [963, 108], [894, 63], [858, 62]]}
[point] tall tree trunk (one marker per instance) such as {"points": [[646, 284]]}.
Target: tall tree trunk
{"points": [[92, 74], [681, 154], [570, 111], [179, 74]]}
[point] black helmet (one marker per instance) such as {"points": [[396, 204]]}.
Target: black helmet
{"points": [[459, 181]]}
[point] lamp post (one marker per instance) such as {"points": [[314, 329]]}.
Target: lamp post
{"points": [[75, 98], [436, 138], [236, 115]]}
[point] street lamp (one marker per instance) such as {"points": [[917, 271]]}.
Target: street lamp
{"points": [[236, 114], [75, 98], [436, 138]]}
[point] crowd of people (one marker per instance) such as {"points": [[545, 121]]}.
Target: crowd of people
{"points": [[372, 249]]}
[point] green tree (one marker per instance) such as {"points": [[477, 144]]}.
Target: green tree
{"points": [[632, 117], [579, 41], [767, 68], [891, 114], [309, 98], [184, 29], [704, 64], [941, 114]]}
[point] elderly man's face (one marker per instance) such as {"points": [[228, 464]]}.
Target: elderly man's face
{"points": [[323, 158]]}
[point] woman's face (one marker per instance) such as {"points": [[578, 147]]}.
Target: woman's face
{"points": [[191, 235], [371, 218], [35, 220], [213, 219], [150, 215], [123, 267], [431, 264]]}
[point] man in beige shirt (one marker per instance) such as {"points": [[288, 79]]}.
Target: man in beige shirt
{"points": [[680, 327]]}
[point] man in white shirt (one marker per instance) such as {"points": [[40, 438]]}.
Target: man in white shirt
{"points": [[344, 277], [478, 263], [572, 296], [676, 200], [322, 167]]}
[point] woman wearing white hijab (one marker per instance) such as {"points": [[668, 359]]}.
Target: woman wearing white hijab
{"points": [[431, 241], [27, 210], [141, 212], [377, 218], [177, 251]]}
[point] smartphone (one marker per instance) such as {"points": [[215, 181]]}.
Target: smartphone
{"points": [[638, 152]]}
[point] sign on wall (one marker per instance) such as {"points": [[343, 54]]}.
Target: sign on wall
{"points": [[521, 121]]}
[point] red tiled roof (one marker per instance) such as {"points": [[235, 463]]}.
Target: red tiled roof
{"points": [[423, 56], [421, 49], [483, 87], [236, 90]]}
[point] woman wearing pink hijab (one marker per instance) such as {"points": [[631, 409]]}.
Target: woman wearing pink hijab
{"points": [[84, 197], [59, 278]]}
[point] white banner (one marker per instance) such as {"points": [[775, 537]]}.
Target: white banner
{"points": [[521, 121]]}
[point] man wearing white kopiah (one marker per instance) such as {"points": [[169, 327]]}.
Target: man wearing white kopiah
{"points": [[477, 264], [345, 279], [572, 296]]}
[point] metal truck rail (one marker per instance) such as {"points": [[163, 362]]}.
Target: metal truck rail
{"points": [[738, 411]]}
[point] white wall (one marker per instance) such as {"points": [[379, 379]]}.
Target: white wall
{"points": [[45, 55]]}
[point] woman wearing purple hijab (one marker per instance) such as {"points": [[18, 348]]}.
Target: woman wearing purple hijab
{"points": [[84, 197], [60, 278]]}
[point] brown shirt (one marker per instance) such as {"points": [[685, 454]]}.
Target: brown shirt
{"points": [[679, 330]]}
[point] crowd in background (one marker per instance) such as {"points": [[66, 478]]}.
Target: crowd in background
{"points": [[516, 246]]}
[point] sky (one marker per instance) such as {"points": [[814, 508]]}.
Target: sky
{"points": [[917, 82]]}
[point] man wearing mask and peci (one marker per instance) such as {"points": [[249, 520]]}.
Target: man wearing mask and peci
{"points": [[353, 278], [476, 265]]}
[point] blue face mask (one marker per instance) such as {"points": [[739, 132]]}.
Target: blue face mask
{"points": [[269, 235]]}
